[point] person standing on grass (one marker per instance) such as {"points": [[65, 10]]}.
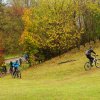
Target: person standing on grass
{"points": [[4, 68], [20, 61], [26, 56], [11, 67]]}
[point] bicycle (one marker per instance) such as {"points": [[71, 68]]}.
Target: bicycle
{"points": [[16, 74], [96, 63]]}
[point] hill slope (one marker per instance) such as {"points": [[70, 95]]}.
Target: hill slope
{"points": [[62, 78]]}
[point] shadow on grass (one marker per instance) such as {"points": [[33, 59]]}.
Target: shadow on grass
{"points": [[67, 61]]}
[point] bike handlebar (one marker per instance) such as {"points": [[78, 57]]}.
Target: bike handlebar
{"points": [[95, 55]]}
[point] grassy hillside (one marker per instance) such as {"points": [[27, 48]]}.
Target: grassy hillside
{"points": [[62, 78]]}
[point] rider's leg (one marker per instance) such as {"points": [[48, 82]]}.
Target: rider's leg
{"points": [[91, 61], [14, 70], [17, 72]]}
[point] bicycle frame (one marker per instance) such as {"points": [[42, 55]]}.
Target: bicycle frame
{"points": [[96, 62]]}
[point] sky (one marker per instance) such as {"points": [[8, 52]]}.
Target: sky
{"points": [[4, 1]]}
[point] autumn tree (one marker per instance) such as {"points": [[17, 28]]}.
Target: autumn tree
{"points": [[50, 28], [11, 27]]}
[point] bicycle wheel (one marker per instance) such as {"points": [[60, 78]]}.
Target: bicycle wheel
{"points": [[87, 66], [97, 63], [19, 74], [14, 74]]}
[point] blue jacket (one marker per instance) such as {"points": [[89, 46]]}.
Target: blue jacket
{"points": [[16, 65]]}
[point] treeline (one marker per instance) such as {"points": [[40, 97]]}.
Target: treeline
{"points": [[11, 27], [47, 28], [52, 27], [11, 24]]}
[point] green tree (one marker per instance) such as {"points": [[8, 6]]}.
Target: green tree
{"points": [[11, 27]]}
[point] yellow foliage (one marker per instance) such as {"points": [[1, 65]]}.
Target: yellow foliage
{"points": [[27, 17], [54, 27]]}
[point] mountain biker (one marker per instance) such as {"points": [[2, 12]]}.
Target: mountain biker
{"points": [[20, 61], [26, 56], [4, 69], [89, 56], [11, 67], [16, 66]]}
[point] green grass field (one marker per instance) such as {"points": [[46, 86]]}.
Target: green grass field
{"points": [[56, 79]]}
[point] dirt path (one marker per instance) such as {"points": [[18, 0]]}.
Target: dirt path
{"points": [[13, 59]]}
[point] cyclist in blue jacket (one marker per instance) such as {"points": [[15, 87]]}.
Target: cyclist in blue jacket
{"points": [[16, 66]]}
